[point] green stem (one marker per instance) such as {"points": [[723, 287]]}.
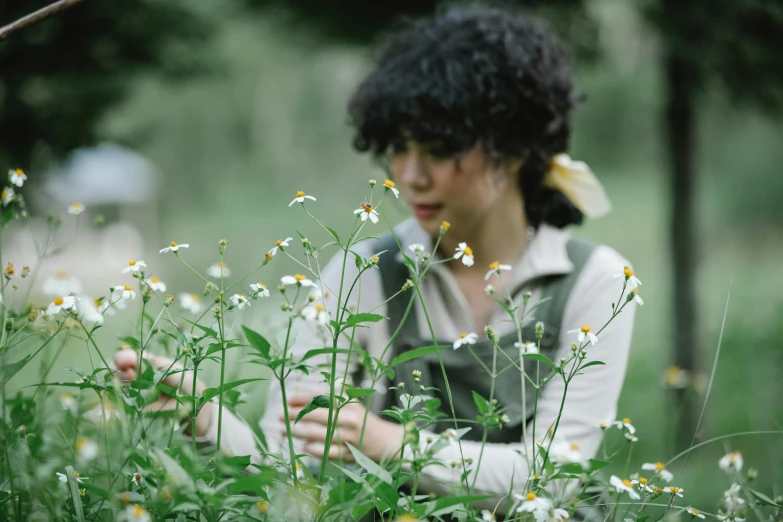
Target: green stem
{"points": [[286, 416]]}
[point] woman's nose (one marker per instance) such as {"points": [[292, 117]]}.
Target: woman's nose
{"points": [[414, 172]]}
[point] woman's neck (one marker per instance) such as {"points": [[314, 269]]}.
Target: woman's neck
{"points": [[501, 235]]}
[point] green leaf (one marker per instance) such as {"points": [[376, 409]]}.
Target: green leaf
{"points": [[209, 331], [596, 464], [322, 351], [643, 519], [11, 369], [592, 363], [319, 401], [764, 498], [132, 341], [446, 505], [414, 354], [362, 318], [209, 393], [333, 234], [481, 403], [257, 341], [372, 468], [355, 393], [538, 303], [542, 358], [73, 486]]}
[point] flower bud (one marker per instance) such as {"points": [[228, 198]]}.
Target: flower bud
{"points": [[444, 227], [9, 325], [168, 300], [33, 315], [146, 295], [25, 271], [491, 334], [222, 244], [408, 284], [208, 289], [99, 220], [539, 331], [372, 183], [489, 290], [416, 375], [425, 256], [526, 297], [753, 474]]}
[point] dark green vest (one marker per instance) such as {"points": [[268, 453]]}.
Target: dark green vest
{"points": [[465, 374]]}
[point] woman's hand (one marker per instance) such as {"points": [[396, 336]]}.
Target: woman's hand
{"points": [[127, 361], [382, 439]]}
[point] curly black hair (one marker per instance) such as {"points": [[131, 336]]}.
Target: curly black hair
{"points": [[469, 75]]}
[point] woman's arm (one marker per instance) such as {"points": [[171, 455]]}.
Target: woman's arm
{"points": [[591, 399]]}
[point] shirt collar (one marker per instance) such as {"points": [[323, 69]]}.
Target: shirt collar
{"points": [[545, 255]]}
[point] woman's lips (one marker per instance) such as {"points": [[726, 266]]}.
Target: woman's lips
{"points": [[426, 211]]}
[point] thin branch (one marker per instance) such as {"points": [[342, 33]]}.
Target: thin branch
{"points": [[37, 16]]}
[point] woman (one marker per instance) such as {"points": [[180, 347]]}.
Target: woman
{"points": [[472, 109]]}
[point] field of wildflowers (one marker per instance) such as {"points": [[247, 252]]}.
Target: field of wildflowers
{"points": [[103, 447]]}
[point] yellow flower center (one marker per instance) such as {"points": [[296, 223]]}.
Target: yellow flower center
{"points": [[388, 184], [627, 272], [463, 335], [495, 265], [268, 256], [3, 194], [173, 244], [659, 466], [299, 278], [642, 480], [626, 420], [62, 274], [10, 270], [75, 473], [19, 172], [585, 328], [125, 498], [468, 251], [319, 307], [530, 495], [262, 506], [279, 242], [300, 194], [137, 477], [733, 456], [627, 483], [674, 489], [132, 262], [574, 446], [536, 476], [261, 285], [445, 224], [195, 297], [154, 279], [695, 512], [58, 301], [81, 443], [367, 207], [138, 511], [128, 288]]}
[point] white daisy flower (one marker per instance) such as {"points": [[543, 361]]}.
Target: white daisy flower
{"points": [[526, 348], [695, 512], [731, 462], [218, 269], [67, 302], [136, 513], [583, 332], [190, 302], [388, 186], [450, 435], [86, 449], [300, 197], [629, 276], [156, 284], [68, 402], [17, 177], [632, 438], [625, 423], [173, 247], [563, 452], [732, 497], [90, 311], [124, 291], [624, 486], [487, 516], [538, 506], [731, 517], [297, 279], [465, 338], [416, 248], [559, 515], [659, 469], [75, 208], [134, 266], [637, 297], [643, 484], [239, 300], [64, 479], [465, 252], [280, 244], [62, 284], [136, 479], [674, 490], [109, 306], [259, 289], [7, 195], [316, 312], [366, 211], [496, 268]]}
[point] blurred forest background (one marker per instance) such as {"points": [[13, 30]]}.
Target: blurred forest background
{"points": [[196, 121]]}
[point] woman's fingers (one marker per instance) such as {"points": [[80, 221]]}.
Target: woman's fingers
{"points": [[127, 361], [335, 451], [349, 416]]}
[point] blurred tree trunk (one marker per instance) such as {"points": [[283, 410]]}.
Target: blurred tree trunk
{"points": [[681, 129]]}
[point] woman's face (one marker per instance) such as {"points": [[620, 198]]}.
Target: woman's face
{"points": [[465, 191]]}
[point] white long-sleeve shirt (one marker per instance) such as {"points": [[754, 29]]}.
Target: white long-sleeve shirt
{"points": [[592, 397]]}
